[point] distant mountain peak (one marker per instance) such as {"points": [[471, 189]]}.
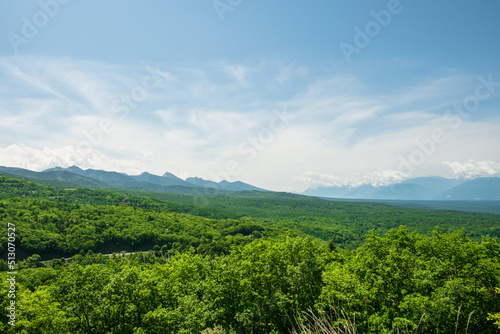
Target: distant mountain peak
{"points": [[222, 185], [59, 168], [170, 175], [195, 178]]}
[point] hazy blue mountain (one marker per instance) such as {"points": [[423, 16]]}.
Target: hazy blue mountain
{"points": [[401, 191], [333, 191], [171, 176], [64, 177], [144, 181], [167, 179], [487, 188], [75, 176], [223, 185], [368, 191], [423, 188], [238, 186], [202, 183], [120, 180], [434, 186]]}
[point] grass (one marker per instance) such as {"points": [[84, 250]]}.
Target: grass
{"points": [[342, 323]]}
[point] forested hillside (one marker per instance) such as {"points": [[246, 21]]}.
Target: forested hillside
{"points": [[63, 222], [247, 263]]}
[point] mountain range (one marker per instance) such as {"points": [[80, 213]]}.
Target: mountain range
{"points": [[422, 188], [77, 177], [417, 189]]}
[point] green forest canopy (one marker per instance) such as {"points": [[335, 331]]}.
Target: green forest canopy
{"points": [[250, 263]]}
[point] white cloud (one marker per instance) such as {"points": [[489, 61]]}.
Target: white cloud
{"points": [[237, 72], [288, 72], [167, 116], [472, 169], [40, 159], [376, 178]]}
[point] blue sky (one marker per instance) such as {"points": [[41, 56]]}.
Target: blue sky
{"points": [[285, 95]]}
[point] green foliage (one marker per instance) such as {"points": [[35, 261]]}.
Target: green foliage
{"points": [[251, 263], [254, 289], [40, 313], [394, 280], [215, 330], [54, 229], [402, 281], [278, 279], [14, 188], [34, 261], [495, 317]]}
